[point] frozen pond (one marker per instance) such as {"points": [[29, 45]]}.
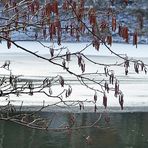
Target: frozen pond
{"points": [[134, 86]]}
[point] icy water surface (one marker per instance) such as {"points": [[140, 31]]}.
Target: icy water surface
{"points": [[134, 86], [125, 130], [29, 67]]}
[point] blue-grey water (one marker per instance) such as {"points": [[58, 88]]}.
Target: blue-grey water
{"points": [[125, 130]]}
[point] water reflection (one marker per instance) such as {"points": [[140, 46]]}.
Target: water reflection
{"points": [[125, 130]]}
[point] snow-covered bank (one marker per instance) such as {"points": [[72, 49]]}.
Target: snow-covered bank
{"points": [[134, 86], [120, 48]]}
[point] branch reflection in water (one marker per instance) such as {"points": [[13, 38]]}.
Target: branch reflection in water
{"points": [[123, 130]]}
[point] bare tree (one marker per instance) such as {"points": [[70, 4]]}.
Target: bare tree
{"points": [[55, 21]]}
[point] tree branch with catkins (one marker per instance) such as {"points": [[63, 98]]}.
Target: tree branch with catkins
{"points": [[53, 21]]}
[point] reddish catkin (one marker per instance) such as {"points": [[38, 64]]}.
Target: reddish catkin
{"points": [[93, 19], [114, 23], [81, 27], [135, 38], [65, 5], [53, 29], [80, 13], [120, 30], [103, 25], [123, 32], [92, 16], [55, 7], [126, 34], [50, 31], [96, 44], [8, 43], [126, 2], [36, 5], [48, 9], [81, 3], [109, 40]]}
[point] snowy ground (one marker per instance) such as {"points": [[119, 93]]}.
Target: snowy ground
{"points": [[129, 49], [134, 86]]}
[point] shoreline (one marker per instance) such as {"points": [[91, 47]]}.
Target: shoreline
{"points": [[88, 109]]}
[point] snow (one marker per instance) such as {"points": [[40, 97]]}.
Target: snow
{"points": [[120, 48], [134, 86]]}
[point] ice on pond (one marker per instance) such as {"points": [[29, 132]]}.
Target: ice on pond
{"points": [[134, 86]]}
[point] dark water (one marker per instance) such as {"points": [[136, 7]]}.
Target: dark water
{"points": [[125, 130]]}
